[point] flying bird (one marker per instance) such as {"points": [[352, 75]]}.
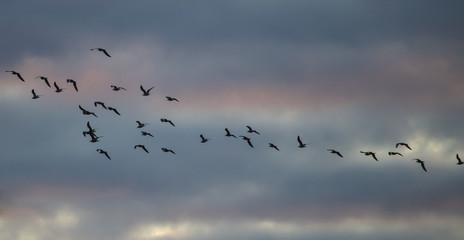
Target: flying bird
{"points": [[248, 140], [228, 134], [142, 147], [34, 96], [104, 152], [167, 150], [73, 83], [101, 104], [335, 152], [58, 89], [146, 134], [91, 130], [147, 92], [394, 153], [171, 99], [301, 144], [116, 88], [370, 154], [421, 163], [203, 139], [95, 138], [45, 79], [101, 50], [251, 130], [141, 125], [459, 160], [17, 74], [403, 144], [167, 121], [114, 110], [273, 146], [85, 112]]}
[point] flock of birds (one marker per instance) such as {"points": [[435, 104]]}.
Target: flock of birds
{"points": [[91, 132]]}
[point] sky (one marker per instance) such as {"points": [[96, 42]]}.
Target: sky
{"points": [[347, 75]]}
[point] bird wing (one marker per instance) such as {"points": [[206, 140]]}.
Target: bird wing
{"points": [[171, 123], [299, 140], [56, 86], [106, 154], [75, 85], [106, 53], [20, 77], [458, 158], [423, 165], [148, 91], [143, 90], [249, 143]]}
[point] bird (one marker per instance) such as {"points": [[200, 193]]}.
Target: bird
{"points": [[142, 147], [167, 121], [228, 134], [370, 154], [273, 146], [95, 138], [248, 140], [250, 130], [101, 50], [301, 144], [394, 153], [100, 103], [171, 99], [58, 89], [403, 144], [459, 160], [114, 110], [146, 134], [421, 163], [73, 83], [17, 74], [85, 112], [203, 139], [141, 125], [116, 88], [46, 80], [104, 152], [34, 96], [167, 150], [335, 152], [91, 130], [147, 92]]}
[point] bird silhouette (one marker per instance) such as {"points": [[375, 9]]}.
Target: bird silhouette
{"points": [[45, 79], [248, 140], [142, 147], [228, 134], [141, 125], [273, 146], [167, 150], [95, 138], [101, 104], [86, 112], [251, 130], [459, 160], [114, 110], [58, 89], [104, 152], [146, 134], [101, 50], [167, 121], [394, 153], [301, 144], [91, 130], [203, 139], [370, 154], [147, 92], [335, 152], [403, 144], [171, 99], [73, 83], [17, 74], [34, 96], [421, 163], [116, 88]]}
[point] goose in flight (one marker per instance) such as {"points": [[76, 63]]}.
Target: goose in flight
{"points": [[101, 50], [167, 121], [248, 140], [101, 104], [142, 147], [335, 152], [101, 151], [203, 139], [116, 88], [146, 134], [459, 160], [171, 99], [301, 144], [34, 96], [114, 110], [58, 89], [403, 144], [17, 74], [45, 79], [370, 154], [394, 153], [251, 130], [141, 125], [147, 92], [73, 83], [85, 112], [421, 163], [228, 134], [167, 150], [273, 146]]}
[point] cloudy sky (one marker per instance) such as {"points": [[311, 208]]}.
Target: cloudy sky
{"points": [[346, 75]]}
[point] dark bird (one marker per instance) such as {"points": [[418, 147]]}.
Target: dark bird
{"points": [[101, 50], [394, 153], [421, 163], [301, 144], [114, 110], [335, 152], [99, 103], [104, 152], [273, 146], [142, 147], [403, 144], [73, 83], [58, 89], [85, 112], [141, 125], [171, 99], [250, 130], [34, 96], [459, 160], [17, 74], [45, 79], [95, 138], [228, 134], [147, 92], [248, 140], [167, 121], [116, 88], [147, 134], [203, 139], [167, 150], [370, 154], [91, 130]]}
